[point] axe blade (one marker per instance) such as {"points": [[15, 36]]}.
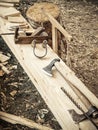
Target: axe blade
{"points": [[47, 71], [76, 117], [48, 68]]}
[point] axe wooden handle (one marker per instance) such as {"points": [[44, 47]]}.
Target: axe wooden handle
{"points": [[66, 72], [81, 96]]}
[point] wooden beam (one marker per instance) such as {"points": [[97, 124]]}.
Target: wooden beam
{"points": [[58, 26], [1, 72], [54, 39], [12, 1], [23, 121], [6, 4]]}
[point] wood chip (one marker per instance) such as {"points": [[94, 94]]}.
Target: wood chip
{"points": [[13, 93], [3, 58], [4, 68], [13, 67], [3, 97], [15, 84], [1, 72]]}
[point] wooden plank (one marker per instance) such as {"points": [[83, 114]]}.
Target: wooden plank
{"points": [[12, 1], [50, 87], [23, 121], [9, 12], [6, 4], [16, 19]]}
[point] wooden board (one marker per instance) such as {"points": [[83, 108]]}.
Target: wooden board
{"points": [[12, 1], [6, 4], [50, 87], [16, 19], [9, 12]]}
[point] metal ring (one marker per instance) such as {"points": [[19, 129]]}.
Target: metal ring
{"points": [[44, 45]]}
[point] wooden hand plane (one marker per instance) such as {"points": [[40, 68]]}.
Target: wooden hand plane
{"points": [[39, 35]]}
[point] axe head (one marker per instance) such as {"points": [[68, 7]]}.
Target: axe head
{"points": [[76, 117], [48, 68], [92, 112]]}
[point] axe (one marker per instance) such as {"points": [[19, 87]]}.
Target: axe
{"points": [[92, 110]]}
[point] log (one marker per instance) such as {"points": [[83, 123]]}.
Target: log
{"points": [[23, 121], [35, 13]]}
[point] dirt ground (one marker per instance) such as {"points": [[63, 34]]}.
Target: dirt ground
{"points": [[19, 96]]}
